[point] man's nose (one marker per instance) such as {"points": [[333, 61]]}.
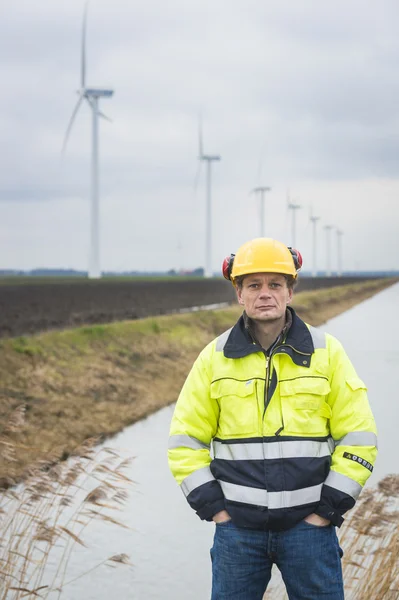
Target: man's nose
{"points": [[265, 291]]}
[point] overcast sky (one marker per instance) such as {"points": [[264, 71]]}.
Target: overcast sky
{"points": [[302, 96]]}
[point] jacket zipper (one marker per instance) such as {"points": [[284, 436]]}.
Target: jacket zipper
{"points": [[294, 349], [266, 399]]}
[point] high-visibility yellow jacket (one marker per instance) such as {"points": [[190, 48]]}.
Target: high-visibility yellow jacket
{"points": [[274, 438]]}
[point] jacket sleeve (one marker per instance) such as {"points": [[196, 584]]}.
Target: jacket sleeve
{"points": [[193, 427], [354, 433]]}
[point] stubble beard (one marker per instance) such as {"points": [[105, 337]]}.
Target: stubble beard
{"points": [[269, 319]]}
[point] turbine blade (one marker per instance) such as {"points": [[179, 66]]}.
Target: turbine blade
{"points": [[287, 211], [200, 142], [83, 57], [197, 176], [308, 221], [71, 121], [259, 171], [101, 114]]}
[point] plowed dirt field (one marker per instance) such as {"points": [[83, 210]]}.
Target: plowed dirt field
{"points": [[32, 307]]}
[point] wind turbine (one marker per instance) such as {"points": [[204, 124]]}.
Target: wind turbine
{"points": [[328, 249], [294, 207], [261, 190], [92, 96], [314, 220], [208, 158], [339, 251]]}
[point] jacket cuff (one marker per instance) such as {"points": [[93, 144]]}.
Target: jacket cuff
{"points": [[329, 513], [207, 511]]}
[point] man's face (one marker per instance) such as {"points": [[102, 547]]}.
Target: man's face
{"points": [[264, 296]]}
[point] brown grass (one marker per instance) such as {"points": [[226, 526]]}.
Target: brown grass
{"points": [[51, 513]]}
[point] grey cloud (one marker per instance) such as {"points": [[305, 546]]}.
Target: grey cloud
{"points": [[35, 193], [308, 89]]}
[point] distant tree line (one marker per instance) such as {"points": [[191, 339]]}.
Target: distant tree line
{"points": [[198, 272]]}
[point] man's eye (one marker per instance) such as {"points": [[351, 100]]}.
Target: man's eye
{"points": [[275, 285], [253, 285]]}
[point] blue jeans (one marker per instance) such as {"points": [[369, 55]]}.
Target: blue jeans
{"points": [[308, 556]]}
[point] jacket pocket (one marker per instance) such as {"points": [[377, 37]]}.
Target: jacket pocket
{"points": [[304, 406], [356, 384], [238, 406]]}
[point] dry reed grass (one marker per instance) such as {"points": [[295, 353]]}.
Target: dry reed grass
{"points": [[51, 512], [369, 538]]}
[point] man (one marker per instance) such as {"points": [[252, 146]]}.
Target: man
{"points": [[293, 438]]}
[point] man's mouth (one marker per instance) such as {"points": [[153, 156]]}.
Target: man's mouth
{"points": [[266, 306]]}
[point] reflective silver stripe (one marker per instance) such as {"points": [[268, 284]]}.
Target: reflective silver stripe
{"points": [[274, 500], [222, 339], [318, 337], [242, 493], [196, 479], [261, 451], [295, 497], [358, 438], [343, 484], [186, 441]]}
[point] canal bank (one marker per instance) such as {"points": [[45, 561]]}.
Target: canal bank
{"points": [[94, 381]]}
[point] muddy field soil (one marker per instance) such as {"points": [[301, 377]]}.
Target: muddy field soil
{"points": [[30, 308]]}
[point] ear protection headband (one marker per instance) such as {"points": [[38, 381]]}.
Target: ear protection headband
{"points": [[297, 257], [227, 265]]}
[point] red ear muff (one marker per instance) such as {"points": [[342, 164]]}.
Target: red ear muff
{"points": [[227, 266], [297, 257]]}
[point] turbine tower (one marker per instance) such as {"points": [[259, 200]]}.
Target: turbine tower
{"points": [[314, 220], [339, 251], [208, 158], [92, 96], [294, 207], [262, 190], [328, 249]]}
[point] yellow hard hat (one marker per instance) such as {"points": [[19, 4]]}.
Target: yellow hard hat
{"points": [[264, 255]]}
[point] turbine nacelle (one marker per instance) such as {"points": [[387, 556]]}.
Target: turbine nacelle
{"points": [[262, 188], [209, 157], [292, 206], [96, 93]]}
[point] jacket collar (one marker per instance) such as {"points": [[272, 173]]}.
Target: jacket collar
{"points": [[250, 326], [297, 343]]}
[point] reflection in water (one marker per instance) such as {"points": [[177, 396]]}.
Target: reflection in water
{"points": [[168, 544], [368, 333]]}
